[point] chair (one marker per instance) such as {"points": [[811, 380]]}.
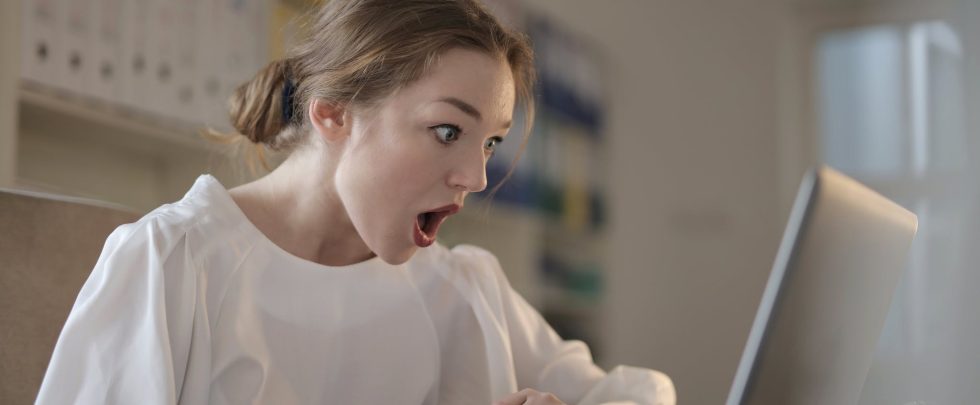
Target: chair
{"points": [[48, 246]]}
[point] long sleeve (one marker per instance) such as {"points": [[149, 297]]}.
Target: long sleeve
{"points": [[126, 339], [545, 362]]}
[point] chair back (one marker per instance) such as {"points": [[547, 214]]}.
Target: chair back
{"points": [[48, 246]]}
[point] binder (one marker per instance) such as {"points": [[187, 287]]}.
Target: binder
{"points": [[78, 60], [237, 52], [183, 98], [161, 55], [244, 35], [108, 42], [41, 41], [577, 149], [135, 68], [213, 111]]}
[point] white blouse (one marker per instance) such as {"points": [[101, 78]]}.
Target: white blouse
{"points": [[194, 305]]}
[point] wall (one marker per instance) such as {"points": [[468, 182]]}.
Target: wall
{"points": [[694, 187]]}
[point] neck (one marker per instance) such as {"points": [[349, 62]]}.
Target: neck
{"points": [[297, 208]]}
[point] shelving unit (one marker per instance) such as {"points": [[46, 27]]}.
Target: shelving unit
{"points": [[70, 145], [63, 139], [555, 200], [116, 123]]}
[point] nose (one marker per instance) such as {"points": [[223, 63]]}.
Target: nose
{"points": [[469, 174]]}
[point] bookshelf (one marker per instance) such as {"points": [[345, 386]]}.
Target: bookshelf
{"points": [[59, 134], [115, 123]]}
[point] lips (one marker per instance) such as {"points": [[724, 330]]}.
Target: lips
{"points": [[427, 224]]}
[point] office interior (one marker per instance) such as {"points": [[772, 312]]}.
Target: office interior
{"points": [[646, 212]]}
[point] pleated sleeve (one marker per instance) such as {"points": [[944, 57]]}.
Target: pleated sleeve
{"points": [[545, 362], [127, 338]]}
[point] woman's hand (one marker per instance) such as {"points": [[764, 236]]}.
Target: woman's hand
{"points": [[528, 396]]}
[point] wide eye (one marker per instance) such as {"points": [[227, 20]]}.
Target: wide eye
{"points": [[491, 144], [446, 133]]}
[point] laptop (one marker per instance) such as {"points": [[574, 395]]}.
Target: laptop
{"points": [[824, 306]]}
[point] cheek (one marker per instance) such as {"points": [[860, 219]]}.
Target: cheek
{"points": [[399, 173], [381, 183], [407, 165], [361, 189]]}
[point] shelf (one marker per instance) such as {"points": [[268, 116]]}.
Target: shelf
{"points": [[51, 110]]}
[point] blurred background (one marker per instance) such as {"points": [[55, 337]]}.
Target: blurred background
{"points": [[646, 213]]}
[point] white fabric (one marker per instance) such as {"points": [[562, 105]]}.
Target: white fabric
{"points": [[193, 305]]}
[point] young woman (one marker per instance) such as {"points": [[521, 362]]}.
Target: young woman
{"points": [[322, 281]]}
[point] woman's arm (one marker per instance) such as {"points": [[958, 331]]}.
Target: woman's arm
{"points": [[126, 339], [545, 362]]}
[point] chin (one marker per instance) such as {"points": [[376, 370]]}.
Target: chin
{"points": [[397, 257]]}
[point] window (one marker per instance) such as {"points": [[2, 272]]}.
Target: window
{"points": [[892, 114]]}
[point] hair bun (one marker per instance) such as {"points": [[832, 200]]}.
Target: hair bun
{"points": [[257, 108]]}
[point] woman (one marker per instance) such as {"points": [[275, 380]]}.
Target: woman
{"points": [[322, 282]]}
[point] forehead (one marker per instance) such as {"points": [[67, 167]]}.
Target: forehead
{"points": [[480, 80]]}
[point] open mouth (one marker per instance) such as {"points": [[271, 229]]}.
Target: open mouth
{"points": [[427, 224]]}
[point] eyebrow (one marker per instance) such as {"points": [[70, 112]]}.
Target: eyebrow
{"points": [[467, 108], [464, 107]]}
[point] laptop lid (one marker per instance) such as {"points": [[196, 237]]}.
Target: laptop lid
{"points": [[841, 257]]}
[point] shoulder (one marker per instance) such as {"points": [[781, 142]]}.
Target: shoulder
{"points": [[158, 232], [200, 215], [189, 248], [476, 259], [464, 265]]}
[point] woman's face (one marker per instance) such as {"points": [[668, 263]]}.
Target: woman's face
{"points": [[411, 161]]}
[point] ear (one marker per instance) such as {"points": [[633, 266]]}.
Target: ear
{"points": [[329, 120]]}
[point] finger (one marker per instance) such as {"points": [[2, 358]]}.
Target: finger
{"points": [[517, 398], [543, 398]]}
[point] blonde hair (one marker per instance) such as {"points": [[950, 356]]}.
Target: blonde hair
{"points": [[361, 51]]}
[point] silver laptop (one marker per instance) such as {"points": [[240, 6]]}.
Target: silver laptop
{"points": [[840, 260]]}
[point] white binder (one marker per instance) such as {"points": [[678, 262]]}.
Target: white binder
{"points": [[135, 68], [111, 20], [208, 77], [183, 98], [41, 42], [237, 50], [78, 61], [243, 33], [161, 55]]}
